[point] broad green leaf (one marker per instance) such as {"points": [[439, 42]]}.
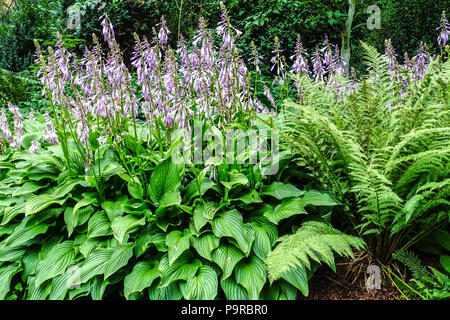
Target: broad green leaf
{"points": [[251, 197], [288, 208], [281, 191], [113, 209], [170, 292], [10, 254], [119, 259], [235, 179], [226, 257], [205, 244], [204, 213], [262, 244], [57, 260], [297, 277], [37, 203], [142, 276], [27, 188], [6, 274], [251, 274], [151, 237], [192, 189], [12, 212], [181, 269], [445, 262], [21, 236], [230, 224], [166, 178], [73, 220], [318, 198], [99, 225], [177, 242], [442, 237], [63, 189], [203, 286], [88, 198], [135, 189], [123, 225], [98, 288], [170, 199], [233, 290], [94, 264]]}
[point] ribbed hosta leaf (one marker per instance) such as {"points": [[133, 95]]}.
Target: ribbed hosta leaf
{"points": [[233, 290], [57, 260], [230, 224], [181, 269], [226, 257], [205, 244], [19, 237], [235, 179], [204, 213], [142, 276], [95, 264], [158, 239], [27, 188], [6, 274], [99, 225], [73, 220], [9, 254], [288, 208], [119, 258], [203, 286], [37, 203], [113, 209], [281, 191], [298, 278], [170, 292], [12, 212], [177, 242], [123, 225], [251, 274], [166, 178]]}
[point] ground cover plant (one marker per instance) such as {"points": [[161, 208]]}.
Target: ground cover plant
{"points": [[180, 177]]}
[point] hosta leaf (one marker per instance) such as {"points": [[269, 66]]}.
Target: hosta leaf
{"points": [[94, 264], [113, 209], [123, 225], [9, 254], [177, 242], [27, 188], [135, 189], [12, 212], [6, 274], [21, 236], [58, 259], [119, 258], [251, 197], [63, 189], [442, 237], [203, 286], [445, 262], [318, 198], [297, 277], [37, 203], [63, 283], [170, 199], [192, 189], [99, 225], [88, 198], [73, 220], [230, 224], [181, 269], [251, 274], [98, 288], [166, 178], [204, 213], [170, 292], [226, 257], [262, 244], [142, 276], [235, 179], [205, 244], [152, 237], [281, 191], [233, 290], [288, 208]]}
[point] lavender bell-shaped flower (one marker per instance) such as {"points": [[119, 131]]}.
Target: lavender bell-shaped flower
{"points": [[18, 127], [50, 131], [444, 28], [35, 145], [318, 68], [163, 33], [4, 126]]}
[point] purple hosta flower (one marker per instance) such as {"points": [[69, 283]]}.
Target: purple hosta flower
{"points": [[336, 65], [62, 59], [278, 62], [163, 34], [318, 68], [18, 127], [445, 31], [224, 28], [31, 115], [242, 74], [102, 139], [50, 131], [108, 30], [4, 126], [256, 59], [269, 96], [300, 65], [327, 54], [35, 145], [390, 55], [421, 61]]}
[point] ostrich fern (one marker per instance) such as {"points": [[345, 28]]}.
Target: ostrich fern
{"points": [[384, 149]]}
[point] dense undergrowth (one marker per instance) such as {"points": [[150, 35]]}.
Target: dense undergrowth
{"points": [[177, 182]]}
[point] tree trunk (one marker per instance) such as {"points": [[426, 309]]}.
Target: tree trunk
{"points": [[345, 55]]}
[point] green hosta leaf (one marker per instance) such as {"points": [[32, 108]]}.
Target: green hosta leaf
{"points": [[251, 197], [281, 191], [318, 198], [57, 260], [181, 269], [88, 199], [251, 274], [442, 237], [113, 209], [205, 244], [99, 225], [63, 189], [63, 283], [73, 220], [12, 212], [172, 198], [9, 254], [95, 264], [170, 292], [142, 276], [21, 236], [226, 257], [153, 237], [233, 290], [235, 179], [262, 245], [119, 259], [37, 203], [204, 213], [192, 189], [122, 225], [27, 188], [30, 262], [38, 293], [166, 178], [230, 224], [177, 242], [135, 189], [203, 286], [288, 208], [297, 277], [6, 274], [445, 262], [98, 288]]}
